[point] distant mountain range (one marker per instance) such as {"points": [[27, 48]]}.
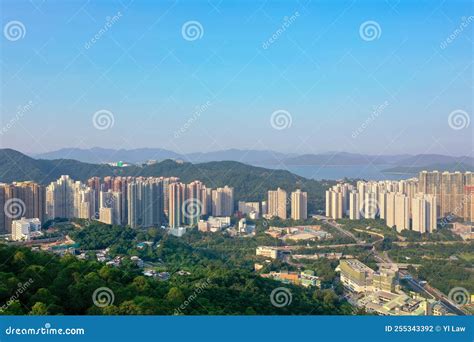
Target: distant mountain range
{"points": [[394, 163], [249, 182], [343, 159], [100, 155]]}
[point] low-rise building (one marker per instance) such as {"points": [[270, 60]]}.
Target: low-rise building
{"points": [[309, 279], [358, 277], [298, 233], [317, 256], [214, 224], [305, 278], [465, 231], [177, 231], [268, 252], [24, 229], [163, 276], [355, 275], [393, 304], [377, 291], [286, 277], [137, 261]]}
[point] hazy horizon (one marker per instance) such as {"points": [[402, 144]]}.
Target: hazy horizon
{"points": [[293, 77], [229, 149]]}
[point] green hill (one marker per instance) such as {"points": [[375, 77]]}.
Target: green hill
{"points": [[249, 182], [67, 286]]}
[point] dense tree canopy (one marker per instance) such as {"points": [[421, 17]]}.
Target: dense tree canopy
{"points": [[214, 285]]}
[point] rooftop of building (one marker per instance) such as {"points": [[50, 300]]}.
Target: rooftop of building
{"points": [[357, 265]]}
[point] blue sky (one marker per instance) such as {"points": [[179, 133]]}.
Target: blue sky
{"points": [[318, 69]]}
